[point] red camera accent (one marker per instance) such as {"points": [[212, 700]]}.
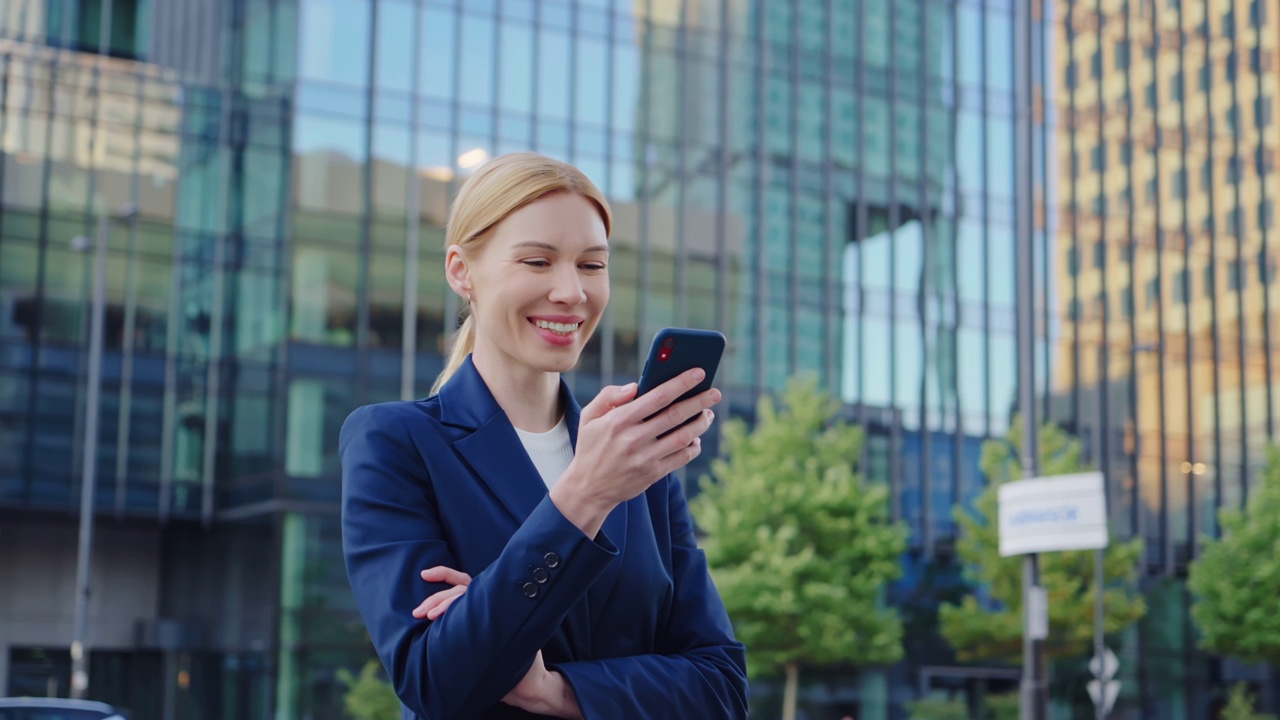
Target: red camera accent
{"points": [[664, 355]]}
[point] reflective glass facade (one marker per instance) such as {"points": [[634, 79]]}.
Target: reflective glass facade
{"points": [[832, 183]]}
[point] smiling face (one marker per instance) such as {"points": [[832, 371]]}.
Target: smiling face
{"points": [[538, 284]]}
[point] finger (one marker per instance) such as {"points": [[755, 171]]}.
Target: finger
{"points": [[680, 412], [442, 574], [666, 393], [608, 399], [438, 610], [435, 600], [432, 602], [679, 458], [682, 437]]}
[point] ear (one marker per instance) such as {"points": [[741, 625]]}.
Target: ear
{"points": [[457, 271]]}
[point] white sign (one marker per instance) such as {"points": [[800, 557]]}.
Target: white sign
{"points": [[1105, 667], [1063, 512], [1104, 689], [1104, 694], [1038, 613]]}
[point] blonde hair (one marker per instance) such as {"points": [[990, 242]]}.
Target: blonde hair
{"points": [[500, 187]]}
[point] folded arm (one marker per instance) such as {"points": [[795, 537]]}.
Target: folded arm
{"points": [[699, 669], [466, 661]]}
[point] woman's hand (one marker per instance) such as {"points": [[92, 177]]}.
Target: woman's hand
{"points": [[434, 606], [619, 452], [540, 691]]}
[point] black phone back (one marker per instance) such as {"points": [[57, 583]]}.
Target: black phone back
{"points": [[675, 350]]}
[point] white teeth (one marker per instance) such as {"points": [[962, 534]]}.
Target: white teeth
{"points": [[562, 328]]}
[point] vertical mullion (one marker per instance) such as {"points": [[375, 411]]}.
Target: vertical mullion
{"points": [[572, 81], [830, 249], [608, 326], [761, 187], [1212, 289], [1237, 166], [722, 170], [1104, 355], [451, 300], [409, 318], [644, 291], [1076, 254], [957, 318], [364, 279], [793, 189], [895, 428], [1263, 258], [984, 109], [495, 92], [922, 293], [682, 175], [1166, 517], [1189, 349], [860, 225], [1135, 499]]}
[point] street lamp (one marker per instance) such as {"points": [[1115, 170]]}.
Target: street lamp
{"points": [[88, 467]]}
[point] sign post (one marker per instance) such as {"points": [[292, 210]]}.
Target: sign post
{"points": [[1052, 514]]}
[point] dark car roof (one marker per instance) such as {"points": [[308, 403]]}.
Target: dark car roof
{"points": [[73, 709]]}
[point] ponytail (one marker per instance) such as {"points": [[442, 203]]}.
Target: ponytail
{"points": [[464, 341]]}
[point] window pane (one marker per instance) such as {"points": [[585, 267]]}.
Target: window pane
{"points": [[335, 40]]}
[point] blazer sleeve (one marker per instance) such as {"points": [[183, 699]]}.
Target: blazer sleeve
{"points": [[464, 663], [699, 670]]}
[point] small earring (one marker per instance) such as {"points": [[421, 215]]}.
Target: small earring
{"points": [[468, 297]]}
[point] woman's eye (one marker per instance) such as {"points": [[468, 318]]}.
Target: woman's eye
{"points": [[537, 263], [593, 266]]}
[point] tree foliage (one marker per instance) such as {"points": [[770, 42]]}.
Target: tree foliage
{"points": [[1237, 578], [369, 696], [1240, 705], [975, 629], [800, 547]]}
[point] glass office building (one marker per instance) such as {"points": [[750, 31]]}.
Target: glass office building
{"points": [[829, 182]]}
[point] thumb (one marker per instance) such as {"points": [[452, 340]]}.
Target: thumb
{"points": [[608, 399]]}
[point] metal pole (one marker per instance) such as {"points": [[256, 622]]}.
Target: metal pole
{"points": [[88, 468], [1099, 641], [1034, 690]]}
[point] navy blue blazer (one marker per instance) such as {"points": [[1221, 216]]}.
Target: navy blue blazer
{"points": [[630, 617]]}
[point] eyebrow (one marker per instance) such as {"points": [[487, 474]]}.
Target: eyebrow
{"points": [[552, 248]]}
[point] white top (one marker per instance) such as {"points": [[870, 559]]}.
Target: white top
{"points": [[550, 451]]}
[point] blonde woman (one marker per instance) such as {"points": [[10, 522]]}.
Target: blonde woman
{"points": [[553, 545]]}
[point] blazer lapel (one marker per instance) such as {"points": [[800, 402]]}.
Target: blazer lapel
{"points": [[492, 450]]}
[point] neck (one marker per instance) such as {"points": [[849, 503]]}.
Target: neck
{"points": [[530, 398]]}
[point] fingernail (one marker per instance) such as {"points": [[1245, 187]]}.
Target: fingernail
{"points": [[628, 387], [699, 373], [715, 395], [711, 414], [697, 441]]}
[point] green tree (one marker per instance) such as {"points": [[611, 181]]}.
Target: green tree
{"points": [[1240, 705], [369, 696], [799, 545], [1237, 578], [977, 632]]}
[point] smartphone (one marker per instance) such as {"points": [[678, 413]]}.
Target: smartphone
{"points": [[677, 350]]}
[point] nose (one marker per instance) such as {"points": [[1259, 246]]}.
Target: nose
{"points": [[567, 287]]}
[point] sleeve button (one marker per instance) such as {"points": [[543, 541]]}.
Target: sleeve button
{"points": [[552, 560], [530, 590], [540, 575]]}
